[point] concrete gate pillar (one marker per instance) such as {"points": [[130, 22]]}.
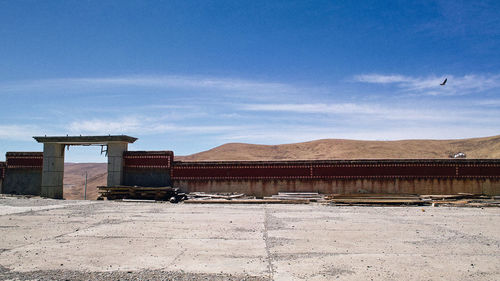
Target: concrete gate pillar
{"points": [[53, 159], [115, 162], [53, 170]]}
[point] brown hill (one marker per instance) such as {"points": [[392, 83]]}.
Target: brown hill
{"points": [[74, 179], [488, 147]]}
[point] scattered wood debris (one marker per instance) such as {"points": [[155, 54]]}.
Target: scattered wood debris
{"points": [[456, 200], [374, 199], [311, 196], [140, 192], [208, 196], [146, 194], [247, 201]]}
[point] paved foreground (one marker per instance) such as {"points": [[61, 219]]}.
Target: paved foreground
{"points": [[102, 240]]}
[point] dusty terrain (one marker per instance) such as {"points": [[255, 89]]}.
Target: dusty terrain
{"points": [[100, 240], [74, 179], [488, 147]]}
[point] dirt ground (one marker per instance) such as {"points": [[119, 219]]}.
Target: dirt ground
{"points": [[46, 239]]}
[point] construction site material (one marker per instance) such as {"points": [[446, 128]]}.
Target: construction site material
{"points": [[456, 200], [206, 196], [375, 199], [352, 201], [140, 192], [311, 196], [450, 196], [139, 200], [467, 203], [248, 201]]}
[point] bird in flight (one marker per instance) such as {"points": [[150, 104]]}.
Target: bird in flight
{"points": [[444, 82]]}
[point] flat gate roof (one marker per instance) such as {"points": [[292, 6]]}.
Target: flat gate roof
{"points": [[84, 140]]}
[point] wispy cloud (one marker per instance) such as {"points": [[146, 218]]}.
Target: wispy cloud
{"points": [[19, 132], [456, 85], [488, 102], [382, 79], [138, 125], [372, 111], [309, 108], [161, 81]]}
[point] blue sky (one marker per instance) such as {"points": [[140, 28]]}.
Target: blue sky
{"points": [[190, 75]]}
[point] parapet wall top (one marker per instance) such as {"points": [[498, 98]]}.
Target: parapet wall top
{"points": [[85, 140]]}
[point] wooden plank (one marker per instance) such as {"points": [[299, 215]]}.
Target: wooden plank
{"points": [[376, 201], [372, 195], [246, 201], [139, 200]]}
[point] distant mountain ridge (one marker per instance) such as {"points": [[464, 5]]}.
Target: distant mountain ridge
{"points": [[487, 148], [484, 148]]}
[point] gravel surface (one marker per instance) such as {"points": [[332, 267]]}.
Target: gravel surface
{"points": [[5, 274], [29, 201]]}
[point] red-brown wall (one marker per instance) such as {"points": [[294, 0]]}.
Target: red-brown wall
{"points": [[24, 173], [2, 175], [264, 178], [147, 168], [2, 170]]}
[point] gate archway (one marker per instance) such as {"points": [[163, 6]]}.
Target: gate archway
{"points": [[53, 159]]}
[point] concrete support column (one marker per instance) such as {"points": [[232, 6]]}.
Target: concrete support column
{"points": [[115, 162], [53, 171]]}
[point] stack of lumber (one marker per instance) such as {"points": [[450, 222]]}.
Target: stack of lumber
{"points": [[137, 192], [247, 201], [311, 196], [455, 200], [238, 198], [374, 199], [461, 200], [216, 196]]}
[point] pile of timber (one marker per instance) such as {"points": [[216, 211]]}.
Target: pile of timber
{"points": [[141, 192], [237, 198], [247, 201], [374, 199], [456, 200], [311, 196], [216, 196], [462, 200]]}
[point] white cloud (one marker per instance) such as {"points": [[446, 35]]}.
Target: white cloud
{"points": [[98, 126], [161, 81], [19, 132], [375, 111], [309, 108], [189, 82], [381, 79], [138, 125], [456, 85], [488, 103]]}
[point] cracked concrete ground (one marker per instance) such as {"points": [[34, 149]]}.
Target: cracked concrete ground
{"points": [[101, 240]]}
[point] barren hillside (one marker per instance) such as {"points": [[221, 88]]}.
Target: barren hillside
{"points": [[488, 147], [74, 179]]}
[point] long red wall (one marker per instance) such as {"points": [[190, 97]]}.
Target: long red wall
{"points": [[264, 178]]}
